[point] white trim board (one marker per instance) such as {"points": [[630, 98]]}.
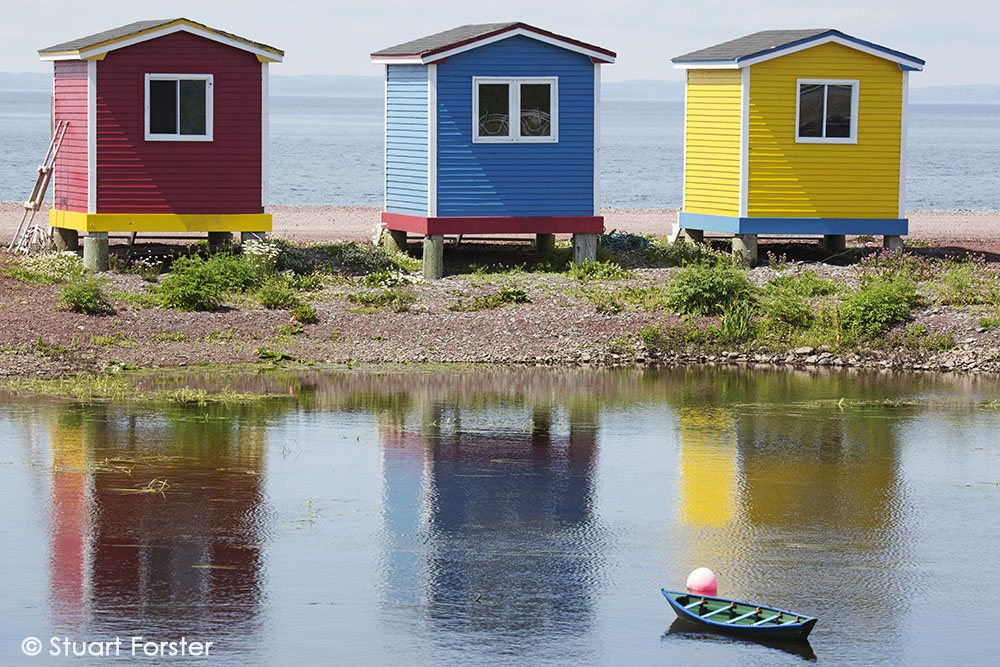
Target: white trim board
{"points": [[784, 51], [92, 136], [161, 32], [744, 142], [431, 141], [904, 118], [597, 139], [518, 32], [265, 120]]}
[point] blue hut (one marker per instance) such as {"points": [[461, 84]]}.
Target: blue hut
{"points": [[493, 129]]}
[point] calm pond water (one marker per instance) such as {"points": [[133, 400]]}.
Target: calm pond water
{"points": [[505, 516]]}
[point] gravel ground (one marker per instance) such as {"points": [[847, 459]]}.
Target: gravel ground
{"points": [[559, 326]]}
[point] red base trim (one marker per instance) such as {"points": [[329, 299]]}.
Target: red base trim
{"points": [[578, 224]]}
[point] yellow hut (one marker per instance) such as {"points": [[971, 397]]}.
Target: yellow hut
{"points": [[797, 132]]}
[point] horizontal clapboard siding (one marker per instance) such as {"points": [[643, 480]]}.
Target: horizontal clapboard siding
{"points": [[211, 177], [712, 142], [521, 179], [69, 179], [789, 179], [406, 130]]}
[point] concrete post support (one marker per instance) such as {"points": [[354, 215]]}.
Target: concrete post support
{"points": [[252, 236], [95, 251], [745, 247], [892, 242], [584, 248], [219, 238], [65, 239], [433, 257], [545, 243], [695, 235], [394, 240], [834, 243]]}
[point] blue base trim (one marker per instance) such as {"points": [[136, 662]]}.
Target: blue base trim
{"points": [[733, 225]]}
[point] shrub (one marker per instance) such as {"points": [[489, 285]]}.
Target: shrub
{"points": [[707, 290], [86, 298], [195, 283], [277, 294], [397, 299], [508, 294], [190, 290], [598, 271], [684, 253], [806, 284], [670, 338], [261, 256], [873, 309], [49, 269], [305, 314], [641, 297], [786, 311], [968, 282], [387, 278], [890, 265]]}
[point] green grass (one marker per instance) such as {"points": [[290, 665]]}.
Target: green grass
{"points": [[398, 300], [507, 295]]}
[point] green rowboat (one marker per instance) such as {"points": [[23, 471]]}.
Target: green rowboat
{"points": [[740, 618]]}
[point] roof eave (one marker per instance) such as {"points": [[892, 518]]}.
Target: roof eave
{"points": [[263, 52], [596, 53], [835, 36]]}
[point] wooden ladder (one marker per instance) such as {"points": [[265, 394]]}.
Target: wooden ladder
{"points": [[30, 236]]}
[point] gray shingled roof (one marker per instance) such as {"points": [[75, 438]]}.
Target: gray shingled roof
{"points": [[766, 41], [134, 28], [444, 40], [465, 34], [751, 45]]}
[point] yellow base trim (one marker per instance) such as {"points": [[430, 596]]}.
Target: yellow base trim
{"points": [[159, 222]]}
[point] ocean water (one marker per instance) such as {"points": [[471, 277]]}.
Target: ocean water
{"points": [[329, 150]]}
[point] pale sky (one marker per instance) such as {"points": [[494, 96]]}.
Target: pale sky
{"points": [[959, 39]]}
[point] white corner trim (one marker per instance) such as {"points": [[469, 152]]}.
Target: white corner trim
{"points": [[385, 140], [684, 144], [855, 85], [209, 80], [514, 109], [597, 139], [519, 32], [744, 142], [265, 112], [431, 141], [91, 136], [169, 30], [904, 118]]}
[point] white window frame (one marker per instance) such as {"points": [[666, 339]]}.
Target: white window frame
{"points": [[514, 109], [855, 85], [209, 80]]}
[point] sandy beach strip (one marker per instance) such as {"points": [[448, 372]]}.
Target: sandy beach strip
{"points": [[977, 231]]}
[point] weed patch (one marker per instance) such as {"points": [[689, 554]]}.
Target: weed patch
{"points": [[86, 297], [508, 294], [707, 289]]}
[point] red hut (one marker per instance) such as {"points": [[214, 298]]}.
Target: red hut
{"points": [[167, 132]]}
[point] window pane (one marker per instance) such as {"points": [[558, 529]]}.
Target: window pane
{"points": [[810, 110], [193, 107], [838, 111], [494, 110], [163, 107], [536, 107]]}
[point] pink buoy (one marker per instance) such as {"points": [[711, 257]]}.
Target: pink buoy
{"points": [[702, 582]]}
